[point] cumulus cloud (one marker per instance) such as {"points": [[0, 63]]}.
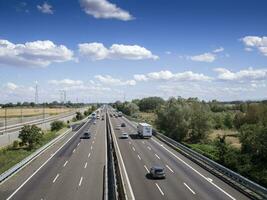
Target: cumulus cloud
{"points": [[221, 49], [259, 43], [109, 80], [208, 57], [11, 86], [35, 54], [205, 57], [97, 51], [45, 8], [242, 75], [66, 82], [169, 76], [104, 9]]}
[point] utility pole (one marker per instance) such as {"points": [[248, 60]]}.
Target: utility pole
{"points": [[5, 119], [36, 92]]}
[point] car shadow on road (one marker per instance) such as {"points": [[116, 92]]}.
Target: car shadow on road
{"points": [[134, 136]]}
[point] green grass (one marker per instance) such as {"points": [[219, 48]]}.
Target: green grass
{"points": [[207, 150], [10, 156]]}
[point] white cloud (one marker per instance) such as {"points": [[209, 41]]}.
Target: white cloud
{"points": [[205, 57], [104, 9], [169, 76], [66, 82], [11, 86], [45, 8], [221, 49], [259, 43], [35, 54], [97, 51], [242, 75], [109, 80]]}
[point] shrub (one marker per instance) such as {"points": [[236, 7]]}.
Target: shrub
{"points": [[57, 125]]}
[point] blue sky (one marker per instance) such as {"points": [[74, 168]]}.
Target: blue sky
{"points": [[105, 50]]}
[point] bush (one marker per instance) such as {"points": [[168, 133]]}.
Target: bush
{"points": [[57, 125], [30, 135], [15, 144]]}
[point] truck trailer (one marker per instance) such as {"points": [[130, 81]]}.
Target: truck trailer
{"points": [[144, 130]]}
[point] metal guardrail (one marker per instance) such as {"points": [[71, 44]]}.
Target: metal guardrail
{"points": [[26, 160], [116, 185], [250, 188], [241, 183]]}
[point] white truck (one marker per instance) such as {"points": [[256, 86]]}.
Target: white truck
{"points": [[144, 130]]}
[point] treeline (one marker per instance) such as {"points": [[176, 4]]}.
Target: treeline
{"points": [[54, 104], [191, 121]]}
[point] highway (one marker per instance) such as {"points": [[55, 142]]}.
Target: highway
{"points": [[184, 179], [74, 171]]}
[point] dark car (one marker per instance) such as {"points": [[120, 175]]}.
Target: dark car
{"points": [[157, 172], [86, 135], [123, 125]]}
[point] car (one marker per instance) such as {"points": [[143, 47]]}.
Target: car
{"points": [[123, 125], [86, 135], [157, 172], [124, 135], [98, 117], [103, 117], [94, 122]]}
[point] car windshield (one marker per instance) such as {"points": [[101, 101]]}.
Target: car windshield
{"points": [[159, 170]]}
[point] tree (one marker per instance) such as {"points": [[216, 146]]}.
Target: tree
{"points": [[30, 135], [173, 119], [79, 116], [57, 125], [200, 123], [221, 147], [253, 138], [150, 103], [228, 121]]}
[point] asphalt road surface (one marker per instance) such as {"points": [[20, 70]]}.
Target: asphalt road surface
{"points": [[75, 171], [184, 179]]}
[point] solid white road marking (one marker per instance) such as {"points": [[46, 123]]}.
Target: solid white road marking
{"points": [[85, 165], [133, 148], [73, 150], [55, 178], [159, 189], [81, 180], [189, 188], [149, 148], [194, 170], [65, 163], [209, 179], [169, 168], [89, 155], [93, 142], [78, 144], [143, 142], [91, 147], [139, 157], [157, 156], [146, 169], [41, 166]]}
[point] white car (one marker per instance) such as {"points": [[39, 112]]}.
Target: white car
{"points": [[124, 135]]}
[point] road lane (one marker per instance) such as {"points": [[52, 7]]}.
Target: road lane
{"points": [[65, 175], [180, 174]]}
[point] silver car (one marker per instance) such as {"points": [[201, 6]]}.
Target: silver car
{"points": [[157, 172]]}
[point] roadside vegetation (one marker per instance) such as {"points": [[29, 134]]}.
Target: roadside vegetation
{"points": [[31, 138], [233, 134]]}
